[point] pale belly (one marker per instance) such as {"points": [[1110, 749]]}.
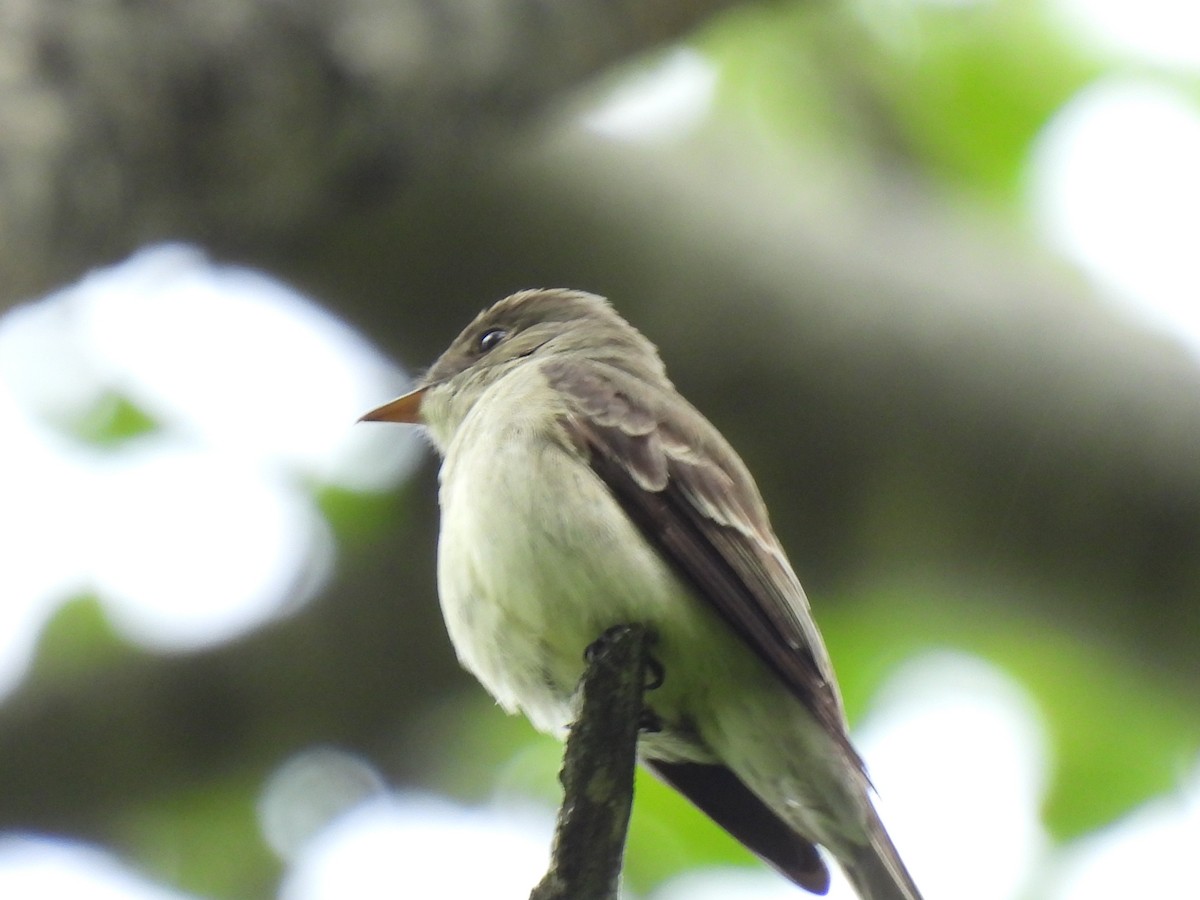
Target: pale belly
{"points": [[525, 591], [526, 585]]}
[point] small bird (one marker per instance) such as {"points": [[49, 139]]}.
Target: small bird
{"points": [[580, 491]]}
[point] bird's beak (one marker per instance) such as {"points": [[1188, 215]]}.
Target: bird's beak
{"points": [[402, 409]]}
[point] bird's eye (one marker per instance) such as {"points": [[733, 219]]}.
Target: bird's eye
{"points": [[490, 338]]}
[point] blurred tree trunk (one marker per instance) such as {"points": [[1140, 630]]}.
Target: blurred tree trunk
{"points": [[253, 128]]}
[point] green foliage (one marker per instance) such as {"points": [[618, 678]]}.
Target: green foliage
{"points": [[1118, 736], [205, 838], [953, 92], [77, 639], [111, 421], [772, 74], [975, 86], [356, 517], [471, 750]]}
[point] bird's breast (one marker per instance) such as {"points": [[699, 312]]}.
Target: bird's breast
{"points": [[536, 560]]}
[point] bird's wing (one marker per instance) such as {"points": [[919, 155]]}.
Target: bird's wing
{"points": [[692, 497]]}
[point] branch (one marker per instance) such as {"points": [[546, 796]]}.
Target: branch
{"points": [[597, 772]]}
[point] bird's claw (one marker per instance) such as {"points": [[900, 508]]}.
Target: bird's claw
{"points": [[649, 722]]}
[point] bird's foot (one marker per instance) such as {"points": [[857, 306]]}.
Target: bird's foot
{"points": [[649, 722], [655, 675]]}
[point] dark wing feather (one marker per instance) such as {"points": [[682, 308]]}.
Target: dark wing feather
{"points": [[722, 796], [691, 496]]}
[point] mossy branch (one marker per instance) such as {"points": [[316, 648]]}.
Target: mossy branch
{"points": [[598, 769]]}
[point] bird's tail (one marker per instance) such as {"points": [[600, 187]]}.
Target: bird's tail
{"points": [[875, 869]]}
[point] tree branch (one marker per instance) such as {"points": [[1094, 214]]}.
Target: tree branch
{"points": [[597, 773]]}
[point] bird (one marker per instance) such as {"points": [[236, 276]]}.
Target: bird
{"points": [[579, 491]]}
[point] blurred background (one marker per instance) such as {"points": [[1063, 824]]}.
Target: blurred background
{"points": [[931, 265]]}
